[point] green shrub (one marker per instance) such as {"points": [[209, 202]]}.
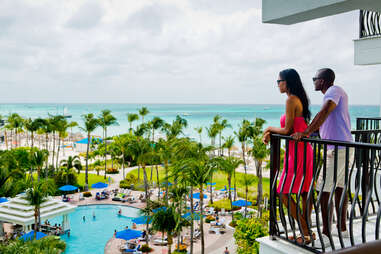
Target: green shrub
{"points": [[223, 203], [131, 179], [124, 185], [61, 177], [209, 218], [145, 248], [112, 171], [87, 194], [247, 231]]}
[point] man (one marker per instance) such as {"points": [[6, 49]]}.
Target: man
{"points": [[333, 122]]}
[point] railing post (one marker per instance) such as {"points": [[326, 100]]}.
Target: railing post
{"points": [[274, 167]]}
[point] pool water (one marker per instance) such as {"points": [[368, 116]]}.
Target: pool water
{"points": [[91, 235]]}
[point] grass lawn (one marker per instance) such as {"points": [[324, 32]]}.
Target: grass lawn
{"points": [[219, 178], [93, 178]]}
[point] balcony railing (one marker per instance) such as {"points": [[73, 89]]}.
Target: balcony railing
{"points": [[362, 183], [368, 123], [370, 24]]}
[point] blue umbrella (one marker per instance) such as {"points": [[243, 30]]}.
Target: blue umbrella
{"points": [[99, 185], [211, 184], [68, 188], [142, 220], [241, 202], [197, 195], [2, 200], [85, 140], [30, 236], [188, 216], [164, 208], [224, 189], [128, 234]]}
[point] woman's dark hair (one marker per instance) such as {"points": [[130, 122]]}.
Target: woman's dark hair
{"points": [[295, 87]]}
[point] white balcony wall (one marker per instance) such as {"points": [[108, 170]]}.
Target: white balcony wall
{"points": [[294, 11], [368, 51]]}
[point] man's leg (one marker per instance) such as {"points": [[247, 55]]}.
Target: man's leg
{"points": [[325, 213], [343, 212]]}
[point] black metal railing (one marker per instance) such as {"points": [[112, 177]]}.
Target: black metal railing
{"points": [[370, 24], [362, 183], [368, 123]]}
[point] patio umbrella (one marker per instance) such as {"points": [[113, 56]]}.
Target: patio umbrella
{"points": [[197, 195], [224, 189], [142, 220], [211, 184], [241, 202], [30, 236], [2, 200], [188, 216], [164, 208], [99, 185], [128, 234], [68, 188]]}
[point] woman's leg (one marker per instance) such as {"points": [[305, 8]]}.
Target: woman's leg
{"points": [[293, 213]]}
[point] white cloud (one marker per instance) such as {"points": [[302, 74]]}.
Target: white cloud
{"points": [[167, 51]]}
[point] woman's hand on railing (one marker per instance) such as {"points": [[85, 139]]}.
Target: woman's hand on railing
{"points": [[266, 137]]}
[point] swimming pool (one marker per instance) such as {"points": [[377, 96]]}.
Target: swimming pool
{"points": [[91, 235]]}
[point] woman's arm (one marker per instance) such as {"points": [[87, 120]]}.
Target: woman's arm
{"points": [[291, 104]]}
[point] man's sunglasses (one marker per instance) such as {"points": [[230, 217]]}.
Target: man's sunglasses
{"points": [[314, 79]]}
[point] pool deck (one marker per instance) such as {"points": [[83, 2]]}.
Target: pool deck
{"points": [[214, 244]]}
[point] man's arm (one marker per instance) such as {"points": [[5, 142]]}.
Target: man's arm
{"points": [[319, 119]]}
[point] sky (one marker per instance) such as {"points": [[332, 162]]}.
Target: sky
{"points": [[169, 51]]}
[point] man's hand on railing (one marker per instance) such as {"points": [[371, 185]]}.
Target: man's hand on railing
{"points": [[298, 135]]}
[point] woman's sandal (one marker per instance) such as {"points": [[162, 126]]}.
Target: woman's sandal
{"points": [[299, 239]]}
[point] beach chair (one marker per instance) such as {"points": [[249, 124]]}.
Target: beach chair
{"points": [[81, 197], [210, 211], [160, 241]]}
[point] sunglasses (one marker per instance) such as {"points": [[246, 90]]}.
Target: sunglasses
{"points": [[314, 79], [280, 80]]}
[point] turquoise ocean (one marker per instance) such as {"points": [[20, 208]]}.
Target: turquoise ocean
{"points": [[198, 115]]}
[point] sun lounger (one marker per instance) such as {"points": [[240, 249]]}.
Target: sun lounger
{"points": [[160, 241]]}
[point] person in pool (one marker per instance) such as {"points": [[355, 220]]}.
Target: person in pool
{"points": [[295, 119], [120, 211]]}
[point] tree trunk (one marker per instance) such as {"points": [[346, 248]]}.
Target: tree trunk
{"points": [[158, 180], [54, 145], [260, 191], [138, 173], [35, 221], [124, 176], [166, 177], [58, 152], [202, 220], [104, 140], [87, 163], [6, 139], [192, 222], [211, 190], [230, 196], [244, 165]]}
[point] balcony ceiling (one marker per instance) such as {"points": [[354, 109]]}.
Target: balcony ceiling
{"points": [[289, 12]]}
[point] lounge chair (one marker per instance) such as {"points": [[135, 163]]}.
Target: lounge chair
{"points": [[160, 241], [81, 196], [125, 249]]}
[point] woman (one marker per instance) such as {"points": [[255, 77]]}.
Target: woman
{"points": [[295, 120]]}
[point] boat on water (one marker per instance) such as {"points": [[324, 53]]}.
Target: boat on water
{"points": [[66, 113], [186, 114]]}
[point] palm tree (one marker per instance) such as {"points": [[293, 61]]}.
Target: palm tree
{"points": [[229, 165], [165, 154], [142, 112], [71, 125], [222, 125], [72, 162], [33, 126], [36, 195], [106, 119], [38, 158], [61, 127], [10, 174], [199, 131], [155, 124], [56, 122], [212, 133], [228, 144], [165, 221], [199, 167], [243, 135], [131, 117], [259, 153], [248, 180], [90, 124]]}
